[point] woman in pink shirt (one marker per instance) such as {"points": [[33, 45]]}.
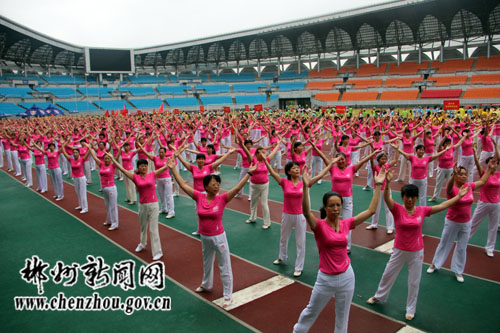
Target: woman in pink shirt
{"points": [[210, 208], [80, 182], [457, 224], [467, 157], [489, 202], [55, 172], [109, 192], [127, 156], [25, 160], [419, 163], [148, 203], [41, 173], [445, 164], [408, 242], [335, 276]]}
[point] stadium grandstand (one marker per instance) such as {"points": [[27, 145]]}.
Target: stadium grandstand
{"points": [[377, 56]]}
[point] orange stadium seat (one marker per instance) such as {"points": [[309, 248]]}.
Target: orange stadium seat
{"points": [[399, 94], [482, 93], [441, 93], [322, 85], [327, 97], [445, 81], [401, 82], [491, 64], [453, 66], [485, 79], [407, 68], [360, 96], [370, 69], [327, 73], [363, 84]]}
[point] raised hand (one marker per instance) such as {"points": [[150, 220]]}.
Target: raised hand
{"points": [[463, 191], [253, 167], [306, 178], [379, 178], [171, 162], [389, 176]]}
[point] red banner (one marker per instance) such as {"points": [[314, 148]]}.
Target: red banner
{"points": [[160, 110], [247, 108], [202, 108], [341, 109], [451, 104], [124, 113], [258, 107], [176, 111], [227, 109], [107, 113]]}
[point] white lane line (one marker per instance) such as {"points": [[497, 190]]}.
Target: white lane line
{"points": [[256, 291], [409, 329], [386, 247]]}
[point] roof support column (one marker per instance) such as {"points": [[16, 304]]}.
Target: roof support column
{"points": [[378, 57], [466, 51], [398, 56], [419, 54], [488, 48], [298, 65], [279, 66], [258, 68], [441, 52], [338, 60], [319, 61], [357, 59]]}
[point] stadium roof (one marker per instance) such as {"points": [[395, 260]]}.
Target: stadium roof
{"points": [[394, 23]]}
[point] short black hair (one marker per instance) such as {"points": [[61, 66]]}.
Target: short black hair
{"points": [[201, 156], [208, 178], [288, 167], [409, 190], [326, 197]]}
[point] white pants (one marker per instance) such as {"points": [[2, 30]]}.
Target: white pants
{"points": [[355, 156], [430, 167], [341, 287], [87, 172], [276, 161], [389, 219], [403, 165], [453, 231], [212, 246], [422, 190], [65, 166], [8, 157], [164, 188], [493, 212], [316, 161], [41, 177], [1, 155], [27, 171], [468, 163], [443, 175], [110, 195], [81, 192], [369, 179], [130, 188], [242, 174], [483, 156], [288, 222], [148, 214], [238, 161], [57, 182], [398, 258], [225, 141], [260, 191], [347, 208], [15, 160]]}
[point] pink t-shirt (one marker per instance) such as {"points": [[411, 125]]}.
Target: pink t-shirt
{"points": [[39, 160], [445, 161], [409, 228], [146, 187], [408, 144], [24, 153], [198, 175], [429, 145], [260, 175], [77, 167], [347, 151], [107, 174], [300, 159], [332, 246], [376, 170], [342, 180], [292, 196], [419, 167], [127, 159], [53, 159], [467, 147], [461, 211], [244, 159], [210, 213], [490, 192], [319, 145], [159, 163]]}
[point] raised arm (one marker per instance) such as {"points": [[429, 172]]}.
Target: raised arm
{"points": [[406, 155], [379, 180], [387, 191], [306, 210], [366, 159], [185, 187], [180, 158], [275, 150], [92, 152], [223, 158], [273, 173], [322, 155], [119, 166], [448, 203]]}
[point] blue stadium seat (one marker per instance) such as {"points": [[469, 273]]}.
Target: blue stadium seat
{"points": [[289, 86], [214, 89], [30, 77], [147, 79], [173, 78], [41, 105], [152, 103], [80, 106], [64, 79], [10, 109], [267, 76], [251, 99], [60, 92], [139, 91], [220, 100], [112, 104], [248, 87], [233, 77], [180, 102], [291, 75], [173, 90], [16, 92], [96, 91]]}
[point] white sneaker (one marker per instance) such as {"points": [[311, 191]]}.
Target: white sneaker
{"points": [[277, 261], [139, 248], [371, 227], [431, 199], [460, 278], [169, 216], [320, 181], [24, 178], [158, 256], [112, 228], [489, 254], [59, 198], [195, 233], [249, 198], [249, 221], [431, 270], [78, 208], [84, 211]]}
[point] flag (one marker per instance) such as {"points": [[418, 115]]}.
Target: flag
{"points": [[106, 113], [227, 109], [202, 108], [247, 108], [160, 109], [176, 111], [139, 112], [154, 111], [257, 107], [124, 113]]}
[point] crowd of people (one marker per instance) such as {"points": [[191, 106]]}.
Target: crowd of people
{"points": [[149, 153]]}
